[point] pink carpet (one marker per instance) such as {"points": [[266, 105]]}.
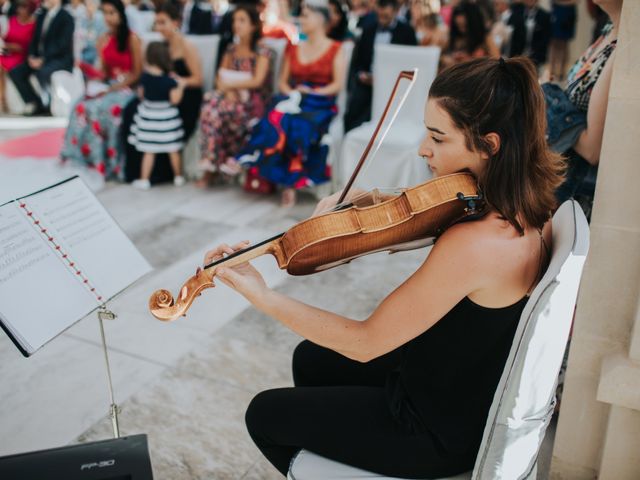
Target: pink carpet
{"points": [[44, 145]]}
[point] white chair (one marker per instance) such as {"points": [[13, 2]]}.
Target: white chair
{"points": [[207, 46], [397, 163], [66, 88], [525, 397], [277, 46], [335, 134]]}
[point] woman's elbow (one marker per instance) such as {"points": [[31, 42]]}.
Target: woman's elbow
{"points": [[588, 150]]}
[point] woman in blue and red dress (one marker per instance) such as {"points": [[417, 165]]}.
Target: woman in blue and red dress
{"points": [[286, 145]]}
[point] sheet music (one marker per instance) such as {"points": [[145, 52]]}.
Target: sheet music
{"points": [[92, 237], [61, 256], [37, 296]]}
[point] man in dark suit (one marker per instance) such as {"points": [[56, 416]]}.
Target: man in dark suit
{"points": [[51, 49], [531, 31], [198, 18], [387, 29]]}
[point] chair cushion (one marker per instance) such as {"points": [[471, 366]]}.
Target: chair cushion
{"points": [[307, 465]]}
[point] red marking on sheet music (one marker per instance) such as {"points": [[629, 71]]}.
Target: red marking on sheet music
{"points": [[58, 248]]}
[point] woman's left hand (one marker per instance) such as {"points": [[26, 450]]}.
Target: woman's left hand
{"points": [[243, 278]]}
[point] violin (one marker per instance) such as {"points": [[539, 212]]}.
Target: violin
{"points": [[370, 223]]}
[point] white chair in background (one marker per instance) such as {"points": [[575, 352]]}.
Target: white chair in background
{"points": [[66, 88], [525, 397], [207, 46], [397, 163], [277, 46], [335, 134]]}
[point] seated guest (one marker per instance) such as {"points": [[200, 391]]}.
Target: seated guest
{"points": [[587, 88], [276, 20], [92, 135], [469, 36], [20, 30], [531, 31], [429, 27], [501, 31], [186, 66], [239, 100], [338, 27], [89, 27], [563, 29], [50, 50], [363, 15], [387, 29], [285, 146], [197, 18]]}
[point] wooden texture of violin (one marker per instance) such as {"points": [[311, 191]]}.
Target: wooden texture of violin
{"points": [[400, 222]]}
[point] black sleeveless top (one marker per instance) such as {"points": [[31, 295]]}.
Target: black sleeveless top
{"points": [[448, 375]]}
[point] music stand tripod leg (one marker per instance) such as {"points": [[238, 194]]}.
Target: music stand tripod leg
{"points": [[105, 314]]}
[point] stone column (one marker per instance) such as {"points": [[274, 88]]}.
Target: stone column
{"points": [[598, 433]]}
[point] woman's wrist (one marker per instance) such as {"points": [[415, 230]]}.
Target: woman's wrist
{"points": [[263, 299]]}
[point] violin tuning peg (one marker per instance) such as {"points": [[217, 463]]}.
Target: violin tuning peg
{"points": [[198, 270]]}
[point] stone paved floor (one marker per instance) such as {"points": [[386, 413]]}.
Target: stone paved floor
{"points": [[187, 383]]}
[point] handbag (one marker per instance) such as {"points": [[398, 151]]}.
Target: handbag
{"points": [[254, 183]]}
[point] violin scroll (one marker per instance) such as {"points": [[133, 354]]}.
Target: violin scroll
{"points": [[164, 307]]}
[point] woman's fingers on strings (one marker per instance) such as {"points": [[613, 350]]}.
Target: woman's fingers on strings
{"points": [[219, 252]]}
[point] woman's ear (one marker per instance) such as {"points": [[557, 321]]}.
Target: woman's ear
{"points": [[493, 140]]}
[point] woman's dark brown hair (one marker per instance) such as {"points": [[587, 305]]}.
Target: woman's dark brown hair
{"points": [[254, 18], [503, 96], [158, 55], [170, 9]]}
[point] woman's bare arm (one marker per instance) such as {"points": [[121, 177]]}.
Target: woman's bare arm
{"points": [[590, 141]]}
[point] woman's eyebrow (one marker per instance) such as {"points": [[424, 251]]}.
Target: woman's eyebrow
{"points": [[434, 129]]}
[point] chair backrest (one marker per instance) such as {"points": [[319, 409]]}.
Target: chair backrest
{"points": [[525, 397], [207, 46], [347, 51], [277, 46], [388, 62]]}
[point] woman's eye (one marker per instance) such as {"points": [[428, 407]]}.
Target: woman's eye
{"points": [[436, 140]]}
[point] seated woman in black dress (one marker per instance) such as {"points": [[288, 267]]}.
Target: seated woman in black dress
{"points": [[406, 392], [186, 65]]}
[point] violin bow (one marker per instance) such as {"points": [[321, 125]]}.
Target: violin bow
{"points": [[410, 75]]}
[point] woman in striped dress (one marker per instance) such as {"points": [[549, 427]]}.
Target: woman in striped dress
{"points": [[157, 126]]}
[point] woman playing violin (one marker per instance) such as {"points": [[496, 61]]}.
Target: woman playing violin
{"points": [[406, 392]]}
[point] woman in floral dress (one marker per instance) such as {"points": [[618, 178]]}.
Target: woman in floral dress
{"points": [[92, 138], [238, 103]]}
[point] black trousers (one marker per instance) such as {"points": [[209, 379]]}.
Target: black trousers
{"points": [[20, 77], [358, 106], [338, 409]]}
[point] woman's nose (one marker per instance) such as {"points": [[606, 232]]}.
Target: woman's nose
{"points": [[424, 150]]}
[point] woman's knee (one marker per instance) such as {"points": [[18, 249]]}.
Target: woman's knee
{"points": [[262, 413]]}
